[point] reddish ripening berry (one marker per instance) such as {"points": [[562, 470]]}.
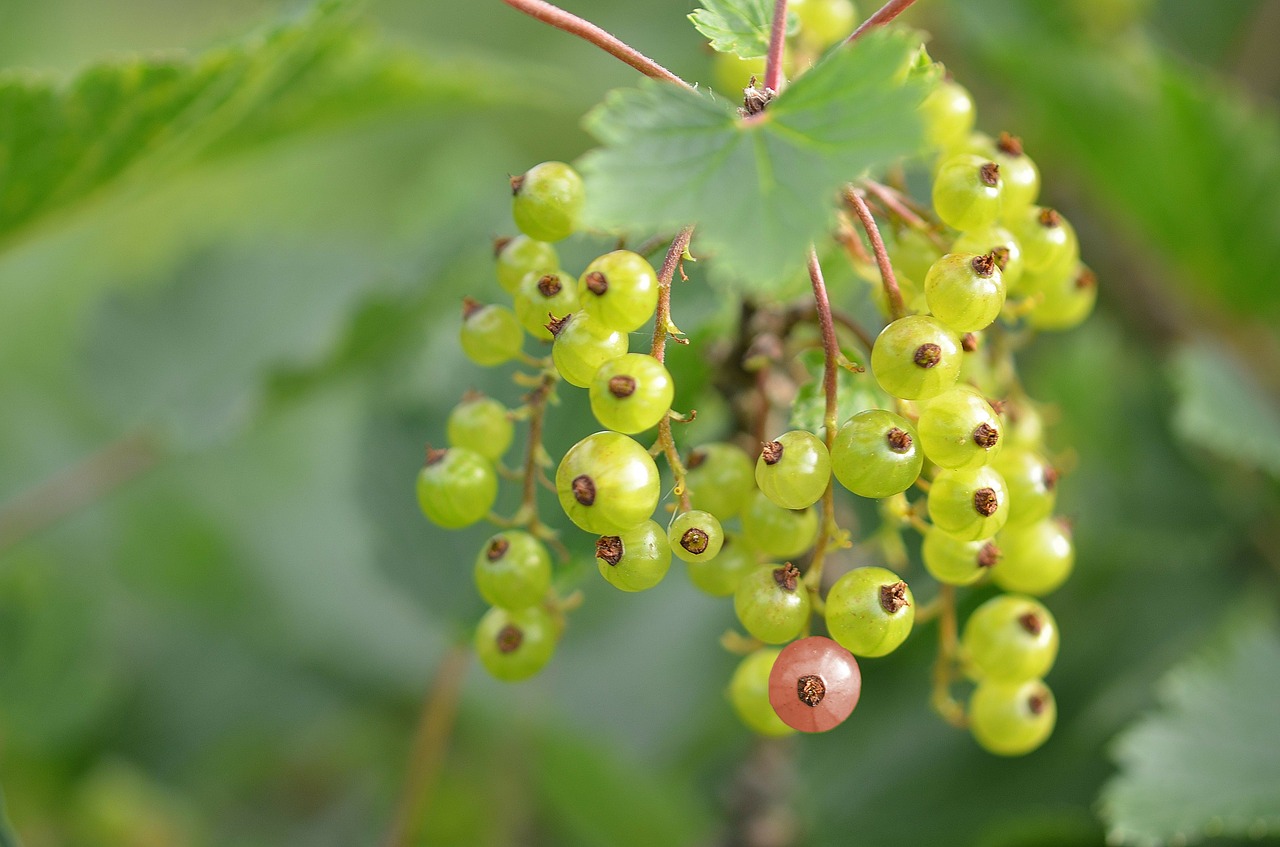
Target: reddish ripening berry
{"points": [[814, 684]]}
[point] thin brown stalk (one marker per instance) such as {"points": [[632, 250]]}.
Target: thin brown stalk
{"points": [[831, 357], [883, 15], [661, 329], [777, 44], [574, 25], [859, 206]]}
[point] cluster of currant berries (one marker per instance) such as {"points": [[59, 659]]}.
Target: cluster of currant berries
{"points": [[746, 525]]}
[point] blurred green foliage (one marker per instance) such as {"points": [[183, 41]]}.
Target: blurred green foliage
{"points": [[229, 259]]}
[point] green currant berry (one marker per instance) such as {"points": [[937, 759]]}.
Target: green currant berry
{"points": [[720, 576], [547, 201], [696, 536], [969, 503], [719, 478], [631, 393], [749, 693], [794, 470], [966, 192], [772, 604], [1038, 557], [456, 487], [481, 424], [824, 22], [636, 559], [515, 644], [1011, 637], [949, 115], [916, 358], [877, 454], [1032, 484], [544, 297], [965, 291], [1020, 174], [1048, 240], [775, 531], [959, 429], [1067, 302], [607, 483], [490, 335], [520, 256], [1011, 718], [513, 570], [1001, 244], [954, 562], [581, 346], [619, 290], [870, 611]]}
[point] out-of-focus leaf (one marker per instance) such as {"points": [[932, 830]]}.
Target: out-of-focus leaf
{"points": [[760, 190], [7, 836], [740, 27], [1222, 409], [1206, 763]]}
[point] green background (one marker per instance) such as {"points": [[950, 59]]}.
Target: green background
{"points": [[228, 299]]}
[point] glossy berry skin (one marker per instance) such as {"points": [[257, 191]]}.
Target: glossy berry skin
{"points": [[870, 611], [719, 577], [695, 536], [542, 296], [607, 483], [949, 115], [966, 192], [1006, 246], [1019, 172], [481, 424], [521, 256], [636, 559], [1011, 637], [1065, 301], [1038, 557], [772, 604], [965, 291], [719, 478], [631, 393], [619, 290], [749, 694], [954, 562], [582, 345], [490, 335], [515, 645], [547, 201], [794, 469], [815, 684], [959, 429], [1011, 718], [824, 22], [916, 358], [1047, 238], [970, 503], [877, 454], [513, 570], [775, 531], [457, 487], [1032, 484]]}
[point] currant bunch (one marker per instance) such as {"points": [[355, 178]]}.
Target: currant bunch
{"points": [[942, 437]]}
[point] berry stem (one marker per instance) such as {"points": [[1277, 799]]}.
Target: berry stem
{"points": [[944, 665], [430, 743], [661, 329], [831, 356], [777, 43], [574, 25], [883, 15], [859, 206]]}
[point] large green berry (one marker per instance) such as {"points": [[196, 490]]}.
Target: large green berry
{"points": [[1020, 174], [1011, 637], [1011, 718], [775, 531], [772, 603], [513, 570], [515, 644], [582, 345], [696, 536], [749, 694], [720, 478], [876, 454], [1038, 557], [636, 559], [607, 483], [619, 290], [542, 297], [916, 358], [631, 393], [1032, 484], [794, 470], [870, 611], [824, 22], [482, 424], [965, 290], [969, 503], [456, 487], [966, 192], [490, 335], [1047, 238], [520, 256], [949, 115], [1065, 301], [547, 201], [959, 429], [955, 562]]}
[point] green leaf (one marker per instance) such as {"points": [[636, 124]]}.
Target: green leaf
{"points": [[1222, 408], [1205, 764], [854, 393], [740, 27], [761, 189]]}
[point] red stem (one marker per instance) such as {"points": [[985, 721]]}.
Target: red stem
{"points": [[886, 13], [574, 25], [859, 206], [830, 346], [777, 43]]}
